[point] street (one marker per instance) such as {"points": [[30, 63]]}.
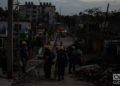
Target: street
{"points": [[70, 80], [67, 82], [59, 43]]}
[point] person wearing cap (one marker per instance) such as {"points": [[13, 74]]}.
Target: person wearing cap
{"points": [[48, 45], [23, 55], [48, 62]]}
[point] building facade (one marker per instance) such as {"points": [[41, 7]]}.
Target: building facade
{"points": [[19, 28], [42, 13]]}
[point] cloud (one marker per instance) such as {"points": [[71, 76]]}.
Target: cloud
{"points": [[95, 0], [70, 7], [100, 0], [62, 1]]}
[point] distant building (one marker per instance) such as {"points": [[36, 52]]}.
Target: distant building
{"points": [[42, 13], [20, 32], [18, 29]]}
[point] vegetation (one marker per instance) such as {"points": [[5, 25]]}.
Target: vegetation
{"points": [[94, 16]]}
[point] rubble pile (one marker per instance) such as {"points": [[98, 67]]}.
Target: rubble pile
{"points": [[87, 72], [99, 75]]}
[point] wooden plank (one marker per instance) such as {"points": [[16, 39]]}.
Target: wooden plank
{"points": [[34, 64]]}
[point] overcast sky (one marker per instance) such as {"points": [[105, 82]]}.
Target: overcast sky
{"points": [[70, 7]]}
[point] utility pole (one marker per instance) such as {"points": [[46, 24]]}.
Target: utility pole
{"points": [[10, 40], [106, 20]]}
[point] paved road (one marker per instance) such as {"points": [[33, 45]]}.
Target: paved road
{"points": [[66, 41], [35, 81], [67, 82]]}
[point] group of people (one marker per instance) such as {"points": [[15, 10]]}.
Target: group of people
{"points": [[60, 58], [56, 57]]}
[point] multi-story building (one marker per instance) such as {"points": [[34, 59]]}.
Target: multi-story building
{"points": [[42, 13], [19, 29]]}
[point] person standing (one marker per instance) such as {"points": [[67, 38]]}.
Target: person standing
{"points": [[61, 63], [38, 42], [74, 59], [23, 55], [48, 62], [70, 55]]}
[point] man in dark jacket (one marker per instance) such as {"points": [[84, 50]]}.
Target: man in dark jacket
{"points": [[61, 63], [48, 58], [74, 59], [71, 58], [23, 56]]}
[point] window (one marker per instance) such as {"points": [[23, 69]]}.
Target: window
{"points": [[33, 16], [17, 27], [34, 7], [27, 16], [3, 30], [35, 12], [28, 7]]}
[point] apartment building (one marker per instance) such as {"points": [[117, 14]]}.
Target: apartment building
{"points": [[44, 12]]}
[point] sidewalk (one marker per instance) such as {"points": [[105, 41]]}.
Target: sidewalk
{"points": [[67, 41], [67, 82]]}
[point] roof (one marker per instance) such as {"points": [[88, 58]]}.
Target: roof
{"points": [[36, 5]]}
